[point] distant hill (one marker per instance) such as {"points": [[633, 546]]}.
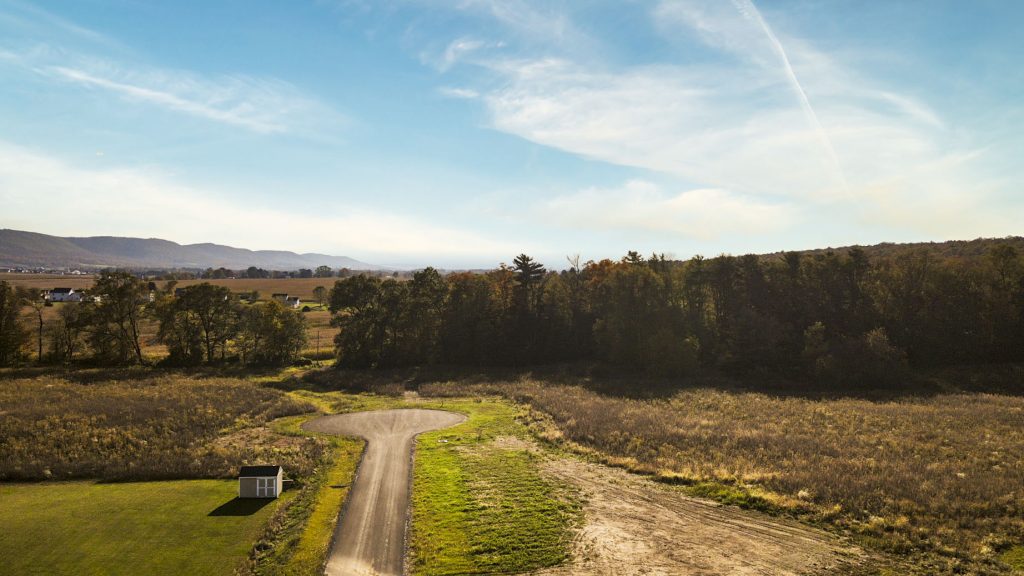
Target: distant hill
{"points": [[32, 250]]}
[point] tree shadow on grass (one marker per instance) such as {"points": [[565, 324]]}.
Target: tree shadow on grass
{"points": [[240, 507]]}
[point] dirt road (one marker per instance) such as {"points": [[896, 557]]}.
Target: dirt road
{"points": [[370, 536]]}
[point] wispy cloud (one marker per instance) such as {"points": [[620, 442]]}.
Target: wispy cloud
{"points": [[750, 12], [688, 122], [258, 104], [765, 114], [542, 23], [644, 207], [460, 93], [146, 202], [32, 18], [458, 51]]}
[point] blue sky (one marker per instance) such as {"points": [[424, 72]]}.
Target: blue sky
{"points": [[460, 133]]}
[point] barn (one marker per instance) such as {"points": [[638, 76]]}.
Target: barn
{"points": [[260, 481]]}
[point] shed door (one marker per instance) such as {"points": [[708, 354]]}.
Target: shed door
{"points": [[266, 487]]}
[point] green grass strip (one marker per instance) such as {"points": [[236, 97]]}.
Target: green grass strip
{"points": [[299, 542], [484, 507]]}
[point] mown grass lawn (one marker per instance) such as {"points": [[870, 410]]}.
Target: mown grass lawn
{"points": [[190, 527]]}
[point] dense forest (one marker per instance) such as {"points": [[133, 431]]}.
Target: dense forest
{"points": [[842, 316]]}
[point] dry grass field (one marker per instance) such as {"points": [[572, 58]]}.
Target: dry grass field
{"points": [[937, 479], [47, 281], [134, 425]]}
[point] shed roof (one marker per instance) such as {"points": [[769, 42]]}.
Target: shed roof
{"points": [[62, 290], [261, 471]]}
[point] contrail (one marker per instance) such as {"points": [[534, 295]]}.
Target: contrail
{"points": [[750, 12]]}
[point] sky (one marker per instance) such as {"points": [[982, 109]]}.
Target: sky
{"points": [[459, 133]]}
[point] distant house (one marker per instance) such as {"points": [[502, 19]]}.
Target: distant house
{"points": [[282, 298], [65, 295], [260, 481], [292, 302]]}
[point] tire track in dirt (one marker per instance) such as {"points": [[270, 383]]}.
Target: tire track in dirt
{"points": [[634, 526]]}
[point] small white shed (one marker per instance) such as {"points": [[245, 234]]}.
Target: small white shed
{"points": [[260, 481]]}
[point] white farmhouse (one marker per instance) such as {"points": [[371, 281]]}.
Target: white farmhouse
{"points": [[65, 295]]}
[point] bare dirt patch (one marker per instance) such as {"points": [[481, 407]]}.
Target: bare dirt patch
{"points": [[634, 526]]}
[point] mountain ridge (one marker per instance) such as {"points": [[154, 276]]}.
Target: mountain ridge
{"points": [[20, 248]]}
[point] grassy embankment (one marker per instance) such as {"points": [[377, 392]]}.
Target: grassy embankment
{"points": [[299, 541], [935, 479]]}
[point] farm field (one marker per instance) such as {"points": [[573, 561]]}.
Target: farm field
{"points": [[47, 281], [301, 287], [173, 527]]}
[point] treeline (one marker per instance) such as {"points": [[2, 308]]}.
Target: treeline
{"points": [[839, 317], [254, 272], [198, 324]]}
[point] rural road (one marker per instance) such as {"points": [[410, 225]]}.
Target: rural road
{"points": [[370, 537]]}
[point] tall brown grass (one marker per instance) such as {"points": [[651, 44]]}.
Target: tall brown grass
{"points": [[938, 478], [151, 427]]}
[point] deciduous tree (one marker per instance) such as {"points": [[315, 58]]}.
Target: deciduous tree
{"points": [[13, 335]]}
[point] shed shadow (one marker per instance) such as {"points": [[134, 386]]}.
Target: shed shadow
{"points": [[240, 507]]}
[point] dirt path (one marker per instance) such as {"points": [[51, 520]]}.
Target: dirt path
{"points": [[370, 537], [634, 526]]}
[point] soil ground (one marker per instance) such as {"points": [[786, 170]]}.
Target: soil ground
{"points": [[634, 526]]}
